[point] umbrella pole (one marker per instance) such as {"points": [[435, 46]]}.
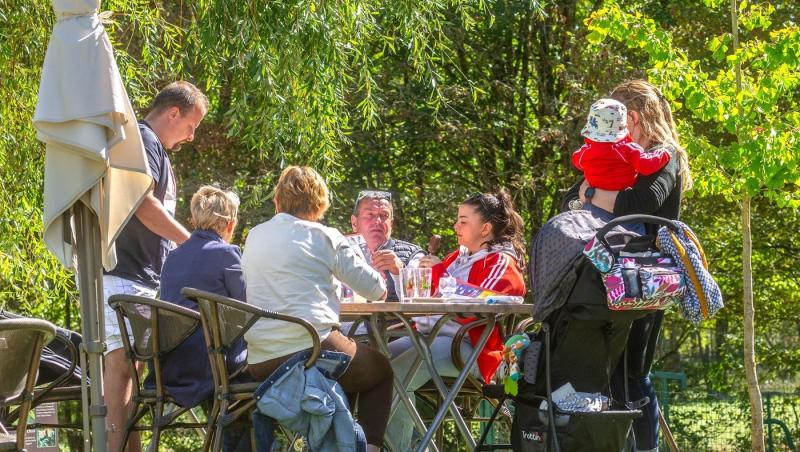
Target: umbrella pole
{"points": [[87, 233]]}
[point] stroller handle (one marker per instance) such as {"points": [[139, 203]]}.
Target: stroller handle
{"points": [[601, 234]]}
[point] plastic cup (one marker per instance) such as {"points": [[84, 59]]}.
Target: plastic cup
{"points": [[424, 282]]}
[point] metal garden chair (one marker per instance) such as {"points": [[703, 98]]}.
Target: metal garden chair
{"points": [[21, 343]]}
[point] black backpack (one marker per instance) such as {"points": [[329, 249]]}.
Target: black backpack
{"points": [[59, 358]]}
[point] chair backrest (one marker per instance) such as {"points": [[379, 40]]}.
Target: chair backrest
{"points": [[58, 363], [156, 326], [225, 320], [21, 343]]}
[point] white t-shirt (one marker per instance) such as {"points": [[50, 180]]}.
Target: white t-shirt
{"points": [[293, 267]]}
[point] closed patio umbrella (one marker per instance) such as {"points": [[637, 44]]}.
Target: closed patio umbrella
{"points": [[96, 171]]}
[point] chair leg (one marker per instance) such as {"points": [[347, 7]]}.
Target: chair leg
{"points": [[200, 431], [252, 434], [439, 440], [138, 412], [208, 440], [22, 423], [288, 436], [497, 409], [125, 436], [219, 431], [211, 430], [158, 415], [231, 412]]}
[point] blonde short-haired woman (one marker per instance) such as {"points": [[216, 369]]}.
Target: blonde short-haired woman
{"points": [[205, 261], [216, 210], [292, 265]]}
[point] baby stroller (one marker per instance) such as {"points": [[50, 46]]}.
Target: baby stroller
{"points": [[580, 341]]}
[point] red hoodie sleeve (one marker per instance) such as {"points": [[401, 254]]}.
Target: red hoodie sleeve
{"points": [[502, 275], [577, 156], [644, 162], [440, 269]]}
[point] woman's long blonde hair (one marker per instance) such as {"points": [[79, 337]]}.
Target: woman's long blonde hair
{"points": [[656, 120]]}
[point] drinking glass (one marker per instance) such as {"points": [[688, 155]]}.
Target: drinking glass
{"points": [[424, 282], [408, 280], [346, 294]]}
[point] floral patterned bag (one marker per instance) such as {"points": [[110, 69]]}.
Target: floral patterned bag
{"points": [[637, 276]]}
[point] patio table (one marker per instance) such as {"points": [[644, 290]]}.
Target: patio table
{"points": [[377, 313]]}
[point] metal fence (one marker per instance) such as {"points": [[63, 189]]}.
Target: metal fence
{"points": [[702, 421], [703, 395]]}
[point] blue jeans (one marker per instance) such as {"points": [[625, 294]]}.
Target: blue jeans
{"points": [[401, 427], [645, 428]]}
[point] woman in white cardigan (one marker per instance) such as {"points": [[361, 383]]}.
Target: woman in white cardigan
{"points": [[292, 265]]}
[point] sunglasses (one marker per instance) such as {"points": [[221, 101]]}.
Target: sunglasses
{"points": [[371, 194], [376, 194]]}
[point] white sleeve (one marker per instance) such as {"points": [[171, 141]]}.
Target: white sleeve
{"points": [[354, 271]]}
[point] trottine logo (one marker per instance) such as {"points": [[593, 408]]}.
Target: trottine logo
{"points": [[533, 436]]}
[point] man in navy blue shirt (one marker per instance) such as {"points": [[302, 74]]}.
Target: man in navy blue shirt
{"points": [[143, 244]]}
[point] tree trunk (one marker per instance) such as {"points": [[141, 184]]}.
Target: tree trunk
{"points": [[720, 331], [756, 409]]}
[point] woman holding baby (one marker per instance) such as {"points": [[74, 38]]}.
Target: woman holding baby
{"points": [[649, 139]]}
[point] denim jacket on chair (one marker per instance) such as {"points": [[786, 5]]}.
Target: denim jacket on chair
{"points": [[311, 402]]}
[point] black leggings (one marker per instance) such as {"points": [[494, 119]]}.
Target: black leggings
{"points": [[642, 343], [368, 378]]}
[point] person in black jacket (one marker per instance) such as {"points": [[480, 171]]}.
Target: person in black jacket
{"points": [[651, 126]]}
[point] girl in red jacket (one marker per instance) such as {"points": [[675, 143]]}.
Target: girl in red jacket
{"points": [[489, 233]]}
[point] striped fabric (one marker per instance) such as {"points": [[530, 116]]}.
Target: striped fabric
{"points": [[703, 297], [113, 285], [498, 271]]}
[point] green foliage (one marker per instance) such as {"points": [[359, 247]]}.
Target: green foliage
{"points": [[435, 100], [742, 144], [288, 72], [43, 288], [704, 423], [711, 354]]}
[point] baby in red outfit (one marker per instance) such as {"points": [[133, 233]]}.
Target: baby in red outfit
{"points": [[610, 159]]}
